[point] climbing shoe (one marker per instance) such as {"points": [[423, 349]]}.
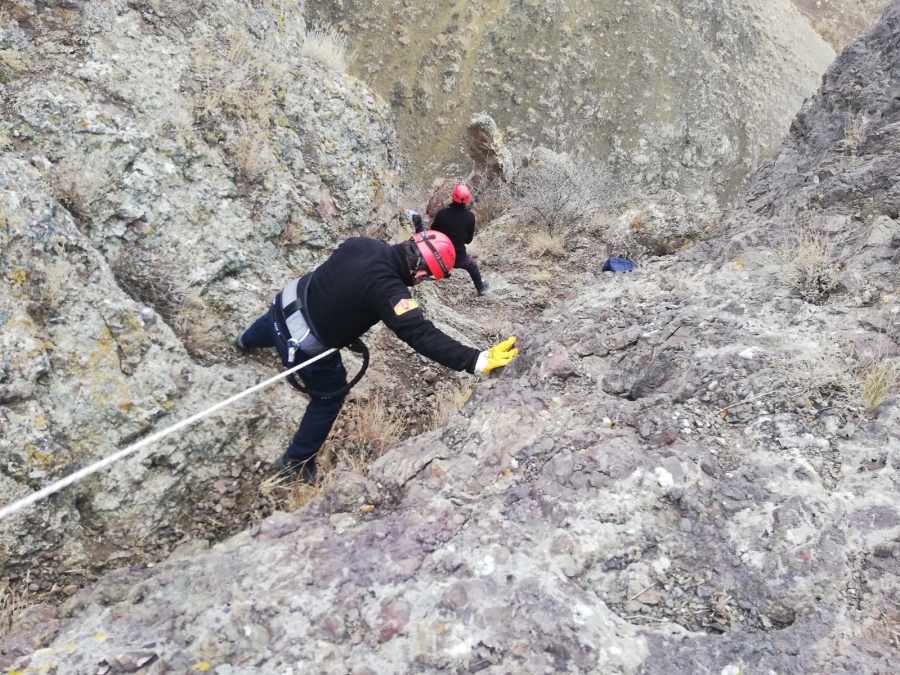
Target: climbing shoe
{"points": [[305, 472], [240, 346], [484, 288]]}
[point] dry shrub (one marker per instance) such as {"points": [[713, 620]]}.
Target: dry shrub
{"points": [[450, 401], [11, 605], [197, 325], [369, 431], [855, 132], [494, 326], [816, 370], [809, 265], [55, 286], [490, 205], [253, 156], [291, 493], [149, 282], [326, 45], [542, 243], [831, 373], [553, 192], [237, 79], [879, 381], [82, 181]]}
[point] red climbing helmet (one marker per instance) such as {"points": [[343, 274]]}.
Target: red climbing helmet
{"points": [[461, 194], [437, 252]]}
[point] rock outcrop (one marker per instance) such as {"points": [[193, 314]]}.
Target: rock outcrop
{"points": [[165, 169], [664, 481], [680, 95]]}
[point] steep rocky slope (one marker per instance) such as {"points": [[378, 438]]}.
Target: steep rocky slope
{"points": [[665, 481], [161, 177], [841, 21], [686, 95]]}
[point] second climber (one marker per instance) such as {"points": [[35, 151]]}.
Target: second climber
{"points": [[458, 223]]}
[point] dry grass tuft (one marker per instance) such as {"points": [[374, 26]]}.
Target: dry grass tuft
{"points": [[542, 243], [11, 605], [369, 431], [253, 156], [450, 401], [81, 182], [326, 45], [810, 267], [855, 132], [292, 493], [880, 380]]}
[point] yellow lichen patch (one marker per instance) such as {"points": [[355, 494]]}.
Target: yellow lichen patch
{"points": [[203, 666], [17, 277]]}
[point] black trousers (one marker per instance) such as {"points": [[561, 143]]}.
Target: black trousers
{"points": [[324, 375]]}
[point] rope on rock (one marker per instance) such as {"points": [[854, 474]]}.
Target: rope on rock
{"points": [[93, 468]]}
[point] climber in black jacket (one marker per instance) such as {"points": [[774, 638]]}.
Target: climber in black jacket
{"points": [[363, 282], [458, 223]]}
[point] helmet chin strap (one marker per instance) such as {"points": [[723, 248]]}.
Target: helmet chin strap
{"points": [[420, 273]]}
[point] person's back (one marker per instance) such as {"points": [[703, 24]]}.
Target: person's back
{"points": [[458, 223]]}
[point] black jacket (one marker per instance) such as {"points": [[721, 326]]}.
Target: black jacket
{"points": [[458, 223], [366, 281]]}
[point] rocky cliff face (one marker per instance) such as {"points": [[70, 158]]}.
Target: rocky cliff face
{"points": [[165, 169], [685, 470], [681, 95]]}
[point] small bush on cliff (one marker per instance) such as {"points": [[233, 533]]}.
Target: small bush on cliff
{"points": [[326, 45], [82, 181], [809, 265], [554, 192]]}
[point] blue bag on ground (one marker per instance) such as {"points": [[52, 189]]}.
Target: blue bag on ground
{"points": [[620, 265]]}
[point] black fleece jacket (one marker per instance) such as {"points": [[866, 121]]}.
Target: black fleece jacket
{"points": [[458, 223], [366, 281]]}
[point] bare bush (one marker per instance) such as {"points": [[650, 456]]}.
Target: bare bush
{"points": [[855, 132], [235, 78], [829, 371], [151, 283], [809, 265], [326, 45], [817, 370], [553, 192], [197, 325]]}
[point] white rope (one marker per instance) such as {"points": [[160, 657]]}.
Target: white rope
{"points": [[93, 468]]}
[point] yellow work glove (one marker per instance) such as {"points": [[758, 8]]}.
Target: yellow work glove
{"points": [[497, 356]]}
